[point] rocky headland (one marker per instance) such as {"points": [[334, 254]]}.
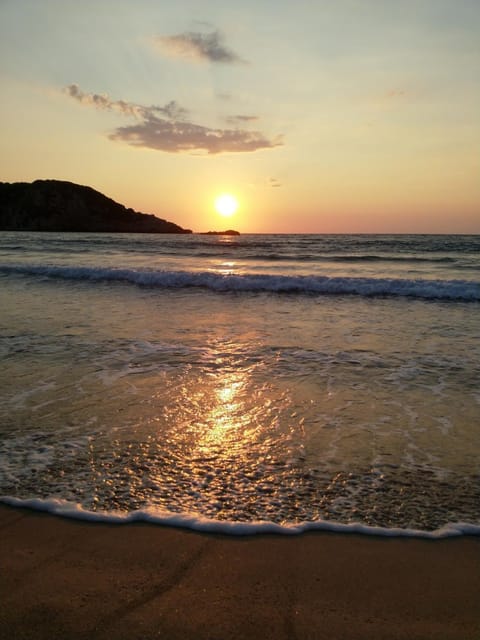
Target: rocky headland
{"points": [[56, 205]]}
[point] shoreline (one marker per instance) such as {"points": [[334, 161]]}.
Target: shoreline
{"points": [[199, 524], [65, 578]]}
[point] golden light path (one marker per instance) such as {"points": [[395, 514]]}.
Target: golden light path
{"points": [[227, 437]]}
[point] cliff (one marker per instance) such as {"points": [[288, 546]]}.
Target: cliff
{"points": [[54, 205]]}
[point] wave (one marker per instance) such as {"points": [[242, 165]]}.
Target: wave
{"points": [[288, 257], [381, 258], [448, 290], [228, 527]]}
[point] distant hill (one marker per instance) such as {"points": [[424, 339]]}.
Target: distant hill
{"points": [[55, 205]]}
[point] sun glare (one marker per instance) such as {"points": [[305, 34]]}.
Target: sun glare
{"points": [[226, 205]]}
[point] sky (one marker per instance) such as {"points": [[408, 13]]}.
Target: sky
{"points": [[318, 116]]}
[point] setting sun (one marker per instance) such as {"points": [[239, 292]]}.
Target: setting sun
{"points": [[226, 205]]}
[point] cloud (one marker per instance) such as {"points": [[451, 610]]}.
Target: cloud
{"points": [[200, 47], [167, 129], [176, 137], [171, 110], [273, 182], [395, 93], [239, 119]]}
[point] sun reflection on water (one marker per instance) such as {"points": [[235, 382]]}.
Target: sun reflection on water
{"points": [[222, 441], [228, 423], [225, 268]]}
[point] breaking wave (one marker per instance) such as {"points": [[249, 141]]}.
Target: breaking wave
{"points": [[448, 290]]}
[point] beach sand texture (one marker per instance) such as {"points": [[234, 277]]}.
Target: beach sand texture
{"points": [[67, 579]]}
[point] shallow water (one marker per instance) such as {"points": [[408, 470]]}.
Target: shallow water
{"points": [[236, 402]]}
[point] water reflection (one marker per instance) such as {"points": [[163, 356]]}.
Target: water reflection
{"points": [[227, 420], [225, 268], [220, 437]]}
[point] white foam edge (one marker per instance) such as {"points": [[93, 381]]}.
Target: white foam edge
{"points": [[460, 290], [197, 522]]}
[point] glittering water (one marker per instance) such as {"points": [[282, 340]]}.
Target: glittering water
{"points": [[280, 378]]}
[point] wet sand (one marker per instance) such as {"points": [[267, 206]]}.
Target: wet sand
{"points": [[67, 579]]}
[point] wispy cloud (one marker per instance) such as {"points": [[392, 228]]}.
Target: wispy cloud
{"points": [[199, 47], [171, 110], [395, 93], [167, 128], [240, 119], [273, 182]]}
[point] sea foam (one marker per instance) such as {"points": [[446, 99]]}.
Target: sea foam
{"points": [[198, 523]]}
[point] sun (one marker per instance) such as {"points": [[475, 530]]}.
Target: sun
{"points": [[226, 205]]}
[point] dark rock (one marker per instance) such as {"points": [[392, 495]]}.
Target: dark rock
{"points": [[228, 232], [55, 205]]}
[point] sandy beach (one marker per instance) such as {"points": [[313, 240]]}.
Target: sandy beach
{"points": [[66, 579]]}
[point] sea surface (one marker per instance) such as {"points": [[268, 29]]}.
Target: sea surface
{"points": [[243, 383]]}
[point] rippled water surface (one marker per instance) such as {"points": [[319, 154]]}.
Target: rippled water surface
{"points": [[238, 402]]}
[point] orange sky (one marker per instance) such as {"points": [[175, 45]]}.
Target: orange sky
{"points": [[319, 117]]}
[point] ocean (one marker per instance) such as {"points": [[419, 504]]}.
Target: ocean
{"points": [[243, 384]]}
